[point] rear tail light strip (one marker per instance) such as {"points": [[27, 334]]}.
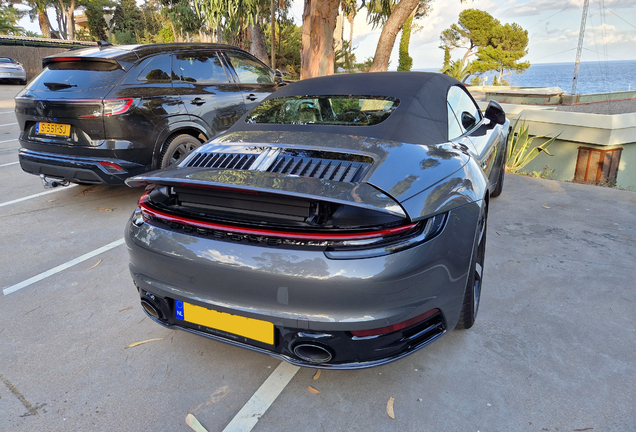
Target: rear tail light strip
{"points": [[314, 236]]}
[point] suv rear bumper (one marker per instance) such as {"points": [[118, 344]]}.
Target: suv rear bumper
{"points": [[78, 169]]}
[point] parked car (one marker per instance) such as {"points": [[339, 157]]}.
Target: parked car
{"points": [[100, 115], [11, 70], [340, 224]]}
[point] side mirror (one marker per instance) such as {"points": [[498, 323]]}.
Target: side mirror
{"points": [[278, 76], [468, 120], [495, 113]]}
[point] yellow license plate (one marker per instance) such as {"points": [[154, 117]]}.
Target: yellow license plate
{"points": [[56, 129], [262, 331]]}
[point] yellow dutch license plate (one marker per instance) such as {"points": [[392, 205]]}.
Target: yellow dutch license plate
{"points": [[56, 129], [262, 331]]}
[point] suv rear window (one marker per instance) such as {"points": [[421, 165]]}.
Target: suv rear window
{"points": [[341, 110], [80, 75]]}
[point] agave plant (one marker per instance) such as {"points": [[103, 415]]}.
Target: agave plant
{"points": [[520, 152]]}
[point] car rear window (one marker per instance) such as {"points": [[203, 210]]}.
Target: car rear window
{"points": [[80, 75], [341, 110]]}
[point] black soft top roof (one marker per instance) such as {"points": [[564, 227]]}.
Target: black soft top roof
{"points": [[420, 118]]}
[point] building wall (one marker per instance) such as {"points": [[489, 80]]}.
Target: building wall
{"points": [[575, 130], [30, 57]]}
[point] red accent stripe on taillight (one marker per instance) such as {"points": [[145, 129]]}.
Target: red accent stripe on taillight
{"points": [[121, 110], [271, 233], [395, 327]]}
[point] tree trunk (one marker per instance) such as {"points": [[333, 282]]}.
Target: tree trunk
{"points": [[258, 48], [70, 20], [317, 53], [272, 38], [350, 18], [389, 33], [45, 24]]}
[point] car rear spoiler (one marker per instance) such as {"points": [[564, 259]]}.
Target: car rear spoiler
{"points": [[361, 194]]}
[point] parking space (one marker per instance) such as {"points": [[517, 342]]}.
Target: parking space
{"points": [[553, 347]]}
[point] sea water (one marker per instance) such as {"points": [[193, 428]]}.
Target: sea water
{"points": [[594, 77]]}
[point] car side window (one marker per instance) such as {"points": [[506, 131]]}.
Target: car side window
{"points": [[463, 114], [250, 71], [198, 68], [156, 71]]}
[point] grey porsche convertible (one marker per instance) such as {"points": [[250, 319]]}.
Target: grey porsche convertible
{"points": [[340, 224]]}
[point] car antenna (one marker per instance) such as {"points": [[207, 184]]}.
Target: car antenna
{"points": [[103, 44]]}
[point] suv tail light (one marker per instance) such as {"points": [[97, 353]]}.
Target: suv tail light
{"points": [[112, 107]]}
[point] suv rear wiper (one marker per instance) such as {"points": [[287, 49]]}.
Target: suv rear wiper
{"points": [[58, 86]]}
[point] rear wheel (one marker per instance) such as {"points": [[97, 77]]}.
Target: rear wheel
{"points": [[176, 148], [470, 306]]}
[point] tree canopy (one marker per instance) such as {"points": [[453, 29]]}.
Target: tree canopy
{"points": [[497, 47]]}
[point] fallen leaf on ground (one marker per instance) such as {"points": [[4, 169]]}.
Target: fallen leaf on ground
{"points": [[134, 344], [128, 308], [317, 375], [101, 209], [578, 430], [310, 389], [194, 423], [389, 408], [98, 263], [545, 206], [53, 200]]}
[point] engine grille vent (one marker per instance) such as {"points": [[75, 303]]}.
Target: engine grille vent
{"points": [[330, 169], [239, 161]]}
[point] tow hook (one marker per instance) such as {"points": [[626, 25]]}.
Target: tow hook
{"points": [[49, 184]]}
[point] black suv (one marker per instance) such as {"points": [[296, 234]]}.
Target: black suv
{"points": [[100, 115]]}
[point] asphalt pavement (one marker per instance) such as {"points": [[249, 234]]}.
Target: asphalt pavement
{"points": [[553, 348]]}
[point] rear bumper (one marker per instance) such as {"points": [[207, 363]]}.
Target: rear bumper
{"points": [[12, 75], [308, 297], [77, 169]]}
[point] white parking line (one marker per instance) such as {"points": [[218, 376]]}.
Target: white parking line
{"points": [[15, 139], [267, 393], [62, 267], [9, 164], [35, 195], [7, 112], [9, 124]]}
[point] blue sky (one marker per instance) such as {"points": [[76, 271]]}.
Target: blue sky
{"points": [[553, 28]]}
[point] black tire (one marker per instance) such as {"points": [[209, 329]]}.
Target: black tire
{"points": [[500, 181], [502, 172], [176, 148], [22, 82], [472, 295]]}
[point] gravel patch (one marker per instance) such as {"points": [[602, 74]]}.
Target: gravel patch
{"points": [[611, 107]]}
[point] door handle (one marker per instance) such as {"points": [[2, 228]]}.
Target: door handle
{"points": [[197, 101], [251, 97]]}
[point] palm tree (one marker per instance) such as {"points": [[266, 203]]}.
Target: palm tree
{"points": [[456, 70], [38, 10]]}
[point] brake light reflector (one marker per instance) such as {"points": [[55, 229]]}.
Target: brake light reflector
{"points": [[62, 59], [395, 327], [112, 168]]}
